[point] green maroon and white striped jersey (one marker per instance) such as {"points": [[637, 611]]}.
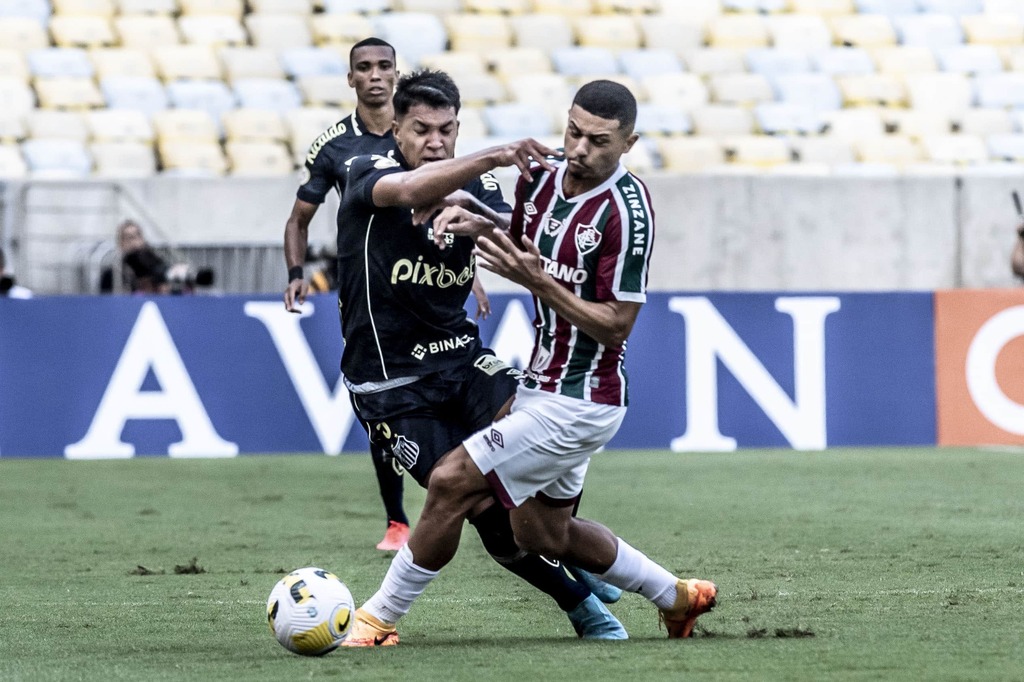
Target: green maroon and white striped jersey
{"points": [[598, 246]]}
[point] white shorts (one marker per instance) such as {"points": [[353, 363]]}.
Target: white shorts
{"points": [[543, 447]]}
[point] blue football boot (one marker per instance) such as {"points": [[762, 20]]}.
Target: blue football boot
{"points": [[593, 620], [609, 594]]}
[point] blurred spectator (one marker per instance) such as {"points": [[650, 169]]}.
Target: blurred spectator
{"points": [[7, 286], [1017, 259], [142, 269]]}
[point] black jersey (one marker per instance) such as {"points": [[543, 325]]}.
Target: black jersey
{"points": [[402, 298], [329, 155]]}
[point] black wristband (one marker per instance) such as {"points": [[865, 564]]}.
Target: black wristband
{"points": [[295, 273]]}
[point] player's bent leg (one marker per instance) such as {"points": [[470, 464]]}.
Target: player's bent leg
{"points": [[390, 483]]}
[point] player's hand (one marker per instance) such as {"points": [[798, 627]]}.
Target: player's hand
{"points": [[295, 295], [456, 220], [522, 152], [499, 254], [422, 214]]}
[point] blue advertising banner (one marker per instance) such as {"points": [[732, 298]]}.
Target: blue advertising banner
{"points": [[116, 377]]}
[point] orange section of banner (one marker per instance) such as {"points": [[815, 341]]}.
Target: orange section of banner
{"points": [[979, 366]]}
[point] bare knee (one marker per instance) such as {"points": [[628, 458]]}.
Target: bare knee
{"points": [[541, 536], [456, 484]]}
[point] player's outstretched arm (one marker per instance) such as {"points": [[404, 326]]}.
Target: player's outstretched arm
{"points": [[461, 222], [607, 322], [296, 239], [434, 181]]}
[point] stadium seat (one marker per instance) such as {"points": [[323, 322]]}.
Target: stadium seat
{"points": [[478, 32], [889, 149], [541, 31], [185, 125], [13, 64], [853, 125], [165, 7], [918, 124], [147, 32], [134, 92], [12, 127], [12, 164], [928, 30], [472, 123], [254, 125], [63, 92], [756, 150], [214, 30], [439, 7], [946, 93], [213, 97], [695, 10], [649, 62], [642, 157], [413, 34], [985, 122], [302, 8], [613, 32], [175, 62], [192, 159], [903, 60], [690, 154], [517, 120], [864, 30], [481, 89], [517, 61], [994, 29], [955, 8], [955, 149], [872, 89], [799, 32], [1014, 57], [119, 125], [626, 6], [339, 29], [740, 88], [259, 159], [823, 7], [770, 61], [22, 34], [546, 88], [251, 62], [742, 31], [37, 10], [816, 91], [497, 6], [683, 90], [270, 94], [99, 8], [781, 118], [574, 8], [123, 160], [356, 6], [711, 61], [313, 61], [81, 31], [57, 159], [890, 7], [1001, 90], [456, 64], [843, 61], [970, 59], [305, 124], [678, 34], [821, 150], [717, 120], [225, 8], [57, 124], [1006, 146], [60, 61], [121, 61], [326, 91], [757, 6], [577, 62], [662, 119], [1003, 7]]}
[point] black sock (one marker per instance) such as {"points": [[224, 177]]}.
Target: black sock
{"points": [[495, 532], [390, 483]]}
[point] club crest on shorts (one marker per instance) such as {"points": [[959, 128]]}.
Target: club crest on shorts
{"points": [[405, 451], [587, 238]]}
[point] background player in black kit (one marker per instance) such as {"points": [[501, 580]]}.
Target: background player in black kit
{"points": [[367, 130], [420, 379]]}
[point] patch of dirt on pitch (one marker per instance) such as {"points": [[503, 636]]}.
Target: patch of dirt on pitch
{"points": [[142, 570], [191, 568]]}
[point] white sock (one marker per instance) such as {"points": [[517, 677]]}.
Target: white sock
{"points": [[633, 571], [403, 582]]}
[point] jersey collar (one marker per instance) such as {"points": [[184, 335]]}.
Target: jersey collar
{"points": [[359, 128], [620, 170]]}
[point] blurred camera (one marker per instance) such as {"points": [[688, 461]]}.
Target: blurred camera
{"points": [[182, 278]]}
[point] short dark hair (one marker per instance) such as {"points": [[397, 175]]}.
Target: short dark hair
{"points": [[436, 89], [610, 100], [371, 42]]}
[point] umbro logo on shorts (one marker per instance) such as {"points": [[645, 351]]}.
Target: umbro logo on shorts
{"points": [[497, 438]]}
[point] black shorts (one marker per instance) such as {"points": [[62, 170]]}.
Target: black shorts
{"points": [[418, 423]]}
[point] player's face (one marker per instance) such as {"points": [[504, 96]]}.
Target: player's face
{"points": [[372, 74], [593, 145], [426, 134]]}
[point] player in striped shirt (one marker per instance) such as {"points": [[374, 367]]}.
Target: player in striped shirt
{"points": [[580, 241]]}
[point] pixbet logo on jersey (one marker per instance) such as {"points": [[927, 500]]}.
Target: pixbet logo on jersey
{"points": [[429, 275]]}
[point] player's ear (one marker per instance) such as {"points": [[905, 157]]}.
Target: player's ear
{"points": [[630, 141]]}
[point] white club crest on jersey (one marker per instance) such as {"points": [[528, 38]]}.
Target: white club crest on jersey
{"points": [[587, 238], [550, 225]]}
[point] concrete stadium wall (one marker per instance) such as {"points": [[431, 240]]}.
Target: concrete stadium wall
{"points": [[714, 232]]}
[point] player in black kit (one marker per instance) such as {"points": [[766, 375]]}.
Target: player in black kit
{"points": [[420, 378]]}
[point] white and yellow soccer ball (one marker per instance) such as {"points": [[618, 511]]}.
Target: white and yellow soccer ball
{"points": [[310, 611]]}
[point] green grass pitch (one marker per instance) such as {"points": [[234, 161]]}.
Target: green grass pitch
{"points": [[862, 564]]}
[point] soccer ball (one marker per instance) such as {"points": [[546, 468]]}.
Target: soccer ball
{"points": [[310, 611]]}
